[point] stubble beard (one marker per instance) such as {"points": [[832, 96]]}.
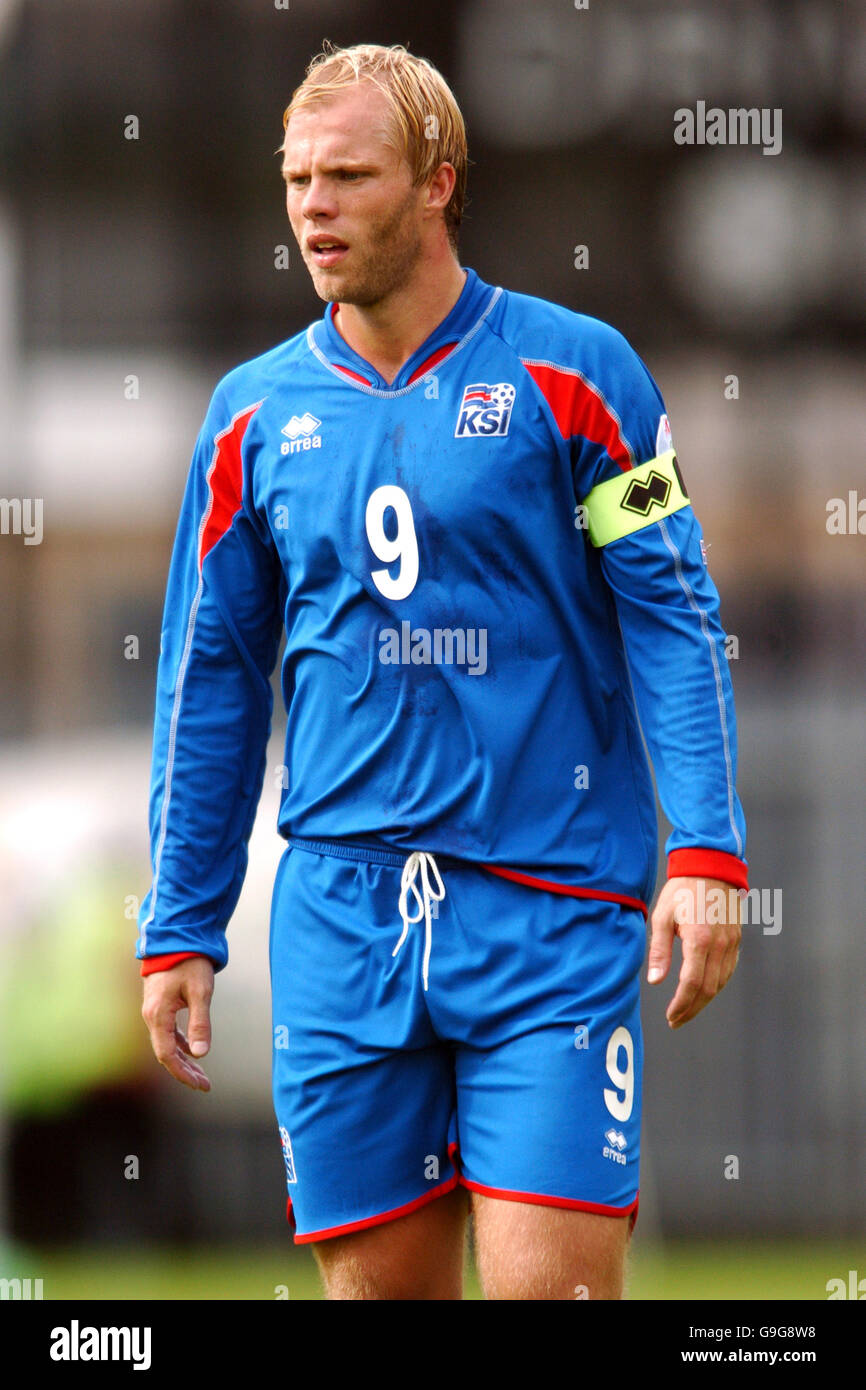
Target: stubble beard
{"points": [[394, 252]]}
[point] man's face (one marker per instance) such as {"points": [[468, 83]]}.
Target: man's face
{"points": [[347, 185]]}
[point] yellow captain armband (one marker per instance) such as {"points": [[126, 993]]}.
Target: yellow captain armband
{"points": [[635, 499]]}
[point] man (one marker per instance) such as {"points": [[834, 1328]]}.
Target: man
{"points": [[464, 505]]}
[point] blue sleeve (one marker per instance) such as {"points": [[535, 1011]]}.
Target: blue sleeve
{"points": [[220, 636], [668, 611]]}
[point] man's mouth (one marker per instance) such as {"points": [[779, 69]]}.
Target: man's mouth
{"points": [[326, 250]]}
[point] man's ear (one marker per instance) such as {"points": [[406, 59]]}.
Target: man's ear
{"points": [[440, 187]]}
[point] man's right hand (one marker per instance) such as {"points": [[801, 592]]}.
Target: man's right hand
{"points": [[188, 985]]}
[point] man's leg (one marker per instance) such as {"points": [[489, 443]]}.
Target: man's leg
{"points": [[528, 1251], [542, 992], [419, 1256], [364, 1090]]}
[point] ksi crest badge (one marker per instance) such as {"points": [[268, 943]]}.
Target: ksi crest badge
{"points": [[288, 1156], [485, 410]]}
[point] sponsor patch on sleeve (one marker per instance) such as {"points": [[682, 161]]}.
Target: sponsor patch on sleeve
{"points": [[635, 499], [664, 440]]}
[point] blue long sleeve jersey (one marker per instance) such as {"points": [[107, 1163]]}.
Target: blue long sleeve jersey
{"points": [[488, 571]]}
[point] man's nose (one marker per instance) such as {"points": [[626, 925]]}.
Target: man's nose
{"points": [[318, 200]]}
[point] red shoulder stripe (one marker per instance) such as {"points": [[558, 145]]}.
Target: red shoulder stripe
{"points": [[580, 408], [225, 481]]}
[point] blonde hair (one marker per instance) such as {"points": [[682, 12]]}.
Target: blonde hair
{"points": [[426, 117]]}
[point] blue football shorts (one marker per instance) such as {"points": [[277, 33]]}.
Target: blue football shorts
{"points": [[435, 1024]]}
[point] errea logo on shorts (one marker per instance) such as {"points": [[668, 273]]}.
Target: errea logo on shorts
{"points": [[485, 410], [615, 1146], [301, 431]]}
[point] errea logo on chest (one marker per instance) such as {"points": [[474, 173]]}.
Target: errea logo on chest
{"points": [[301, 431], [485, 410]]}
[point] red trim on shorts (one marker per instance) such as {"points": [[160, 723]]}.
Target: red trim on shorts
{"points": [[568, 889], [309, 1236], [541, 1199]]}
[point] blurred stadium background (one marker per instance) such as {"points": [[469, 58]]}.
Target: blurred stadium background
{"points": [[133, 273]]}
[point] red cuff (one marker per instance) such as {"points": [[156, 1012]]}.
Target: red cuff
{"points": [[151, 964], [708, 863]]}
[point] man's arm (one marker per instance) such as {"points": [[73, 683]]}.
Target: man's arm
{"points": [[668, 611], [213, 708], [651, 551]]}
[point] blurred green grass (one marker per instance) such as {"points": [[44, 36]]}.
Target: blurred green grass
{"points": [[739, 1271]]}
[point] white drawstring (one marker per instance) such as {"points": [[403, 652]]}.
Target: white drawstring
{"points": [[419, 860]]}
